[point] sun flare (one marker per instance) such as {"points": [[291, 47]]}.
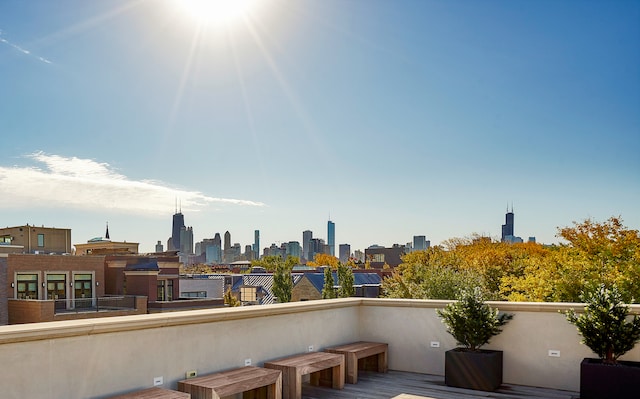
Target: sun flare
{"points": [[216, 12]]}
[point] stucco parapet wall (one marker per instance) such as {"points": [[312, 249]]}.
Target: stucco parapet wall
{"points": [[546, 307], [74, 328]]}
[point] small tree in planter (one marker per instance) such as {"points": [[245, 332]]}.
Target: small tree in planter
{"points": [[607, 330], [473, 323]]}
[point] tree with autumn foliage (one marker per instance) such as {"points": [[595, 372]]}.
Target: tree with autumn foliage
{"points": [[431, 274], [595, 253], [324, 260]]}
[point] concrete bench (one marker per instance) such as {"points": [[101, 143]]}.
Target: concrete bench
{"points": [[363, 356], [324, 369], [153, 393], [252, 382]]}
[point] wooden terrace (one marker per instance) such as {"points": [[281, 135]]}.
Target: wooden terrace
{"points": [[372, 385]]}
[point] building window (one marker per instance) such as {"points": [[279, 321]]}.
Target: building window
{"points": [[27, 285], [5, 239], [169, 290], [40, 240], [378, 258], [57, 289], [83, 290], [194, 294]]}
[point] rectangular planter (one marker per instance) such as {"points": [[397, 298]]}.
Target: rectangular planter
{"points": [[480, 370], [599, 380]]}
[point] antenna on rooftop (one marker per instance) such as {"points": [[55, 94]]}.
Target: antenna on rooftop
{"points": [[107, 233]]}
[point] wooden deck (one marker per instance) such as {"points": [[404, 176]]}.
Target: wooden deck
{"points": [[373, 385]]}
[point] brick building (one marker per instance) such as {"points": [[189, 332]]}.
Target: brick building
{"points": [[37, 240]]}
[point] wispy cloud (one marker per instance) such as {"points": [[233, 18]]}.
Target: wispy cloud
{"points": [[22, 50], [88, 184]]}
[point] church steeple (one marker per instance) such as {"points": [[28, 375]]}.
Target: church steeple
{"points": [[106, 235]]}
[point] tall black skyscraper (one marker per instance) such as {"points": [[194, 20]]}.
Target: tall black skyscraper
{"points": [[178, 224], [227, 241], [507, 227]]}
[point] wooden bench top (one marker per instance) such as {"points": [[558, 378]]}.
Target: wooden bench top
{"points": [[362, 347], [307, 363], [323, 368], [365, 351], [232, 381], [154, 393]]}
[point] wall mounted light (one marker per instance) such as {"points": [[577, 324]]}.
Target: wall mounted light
{"points": [[97, 283], [13, 285], [42, 285]]}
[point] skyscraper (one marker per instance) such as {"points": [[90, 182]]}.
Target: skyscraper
{"points": [[186, 240], [307, 235], [256, 244], [345, 252], [331, 237], [507, 227], [227, 240], [178, 224], [420, 243]]}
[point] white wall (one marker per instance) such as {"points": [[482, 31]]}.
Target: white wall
{"points": [[409, 326]]}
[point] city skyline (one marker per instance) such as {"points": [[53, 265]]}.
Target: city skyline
{"points": [[396, 118]]}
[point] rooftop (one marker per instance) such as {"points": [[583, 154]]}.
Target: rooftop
{"points": [[98, 358]]}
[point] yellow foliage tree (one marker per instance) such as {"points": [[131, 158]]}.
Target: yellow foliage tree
{"points": [[324, 260]]}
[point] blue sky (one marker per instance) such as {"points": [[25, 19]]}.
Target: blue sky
{"points": [[397, 118]]}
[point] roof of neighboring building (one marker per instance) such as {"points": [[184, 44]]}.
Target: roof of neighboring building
{"points": [[317, 279], [265, 282], [153, 265]]}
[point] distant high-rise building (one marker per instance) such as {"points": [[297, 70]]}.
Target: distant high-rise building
{"points": [[307, 236], [227, 240], [159, 247], [331, 237], [420, 243], [186, 240], [178, 223], [248, 253], [292, 248], [507, 227], [256, 244], [214, 252], [317, 246], [345, 252]]}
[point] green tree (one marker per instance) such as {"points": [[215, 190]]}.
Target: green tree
{"points": [[610, 253], [345, 279], [430, 274], [282, 280], [269, 263], [327, 291], [604, 326], [471, 321]]}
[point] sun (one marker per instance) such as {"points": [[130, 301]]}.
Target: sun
{"points": [[216, 12]]}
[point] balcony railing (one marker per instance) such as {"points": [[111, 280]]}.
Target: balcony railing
{"points": [[106, 303]]}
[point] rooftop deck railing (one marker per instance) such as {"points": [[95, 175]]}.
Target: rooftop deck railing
{"points": [[96, 358], [101, 304]]}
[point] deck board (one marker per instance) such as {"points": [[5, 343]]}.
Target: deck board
{"points": [[373, 385]]}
